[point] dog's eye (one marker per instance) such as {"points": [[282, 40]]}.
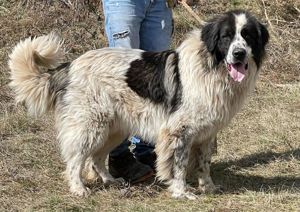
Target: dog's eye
{"points": [[226, 36], [246, 34]]}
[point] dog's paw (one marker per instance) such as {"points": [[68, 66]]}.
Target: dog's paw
{"points": [[209, 188], [206, 186], [80, 191], [120, 180], [184, 195], [113, 181]]}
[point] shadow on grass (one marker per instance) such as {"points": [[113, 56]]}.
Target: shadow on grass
{"points": [[225, 174]]}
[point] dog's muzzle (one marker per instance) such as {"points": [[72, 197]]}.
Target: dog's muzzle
{"points": [[237, 64]]}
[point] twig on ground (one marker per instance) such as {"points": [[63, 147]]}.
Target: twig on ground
{"points": [[5, 9], [267, 17], [24, 2], [68, 4], [293, 85], [287, 22], [269, 81], [187, 7]]}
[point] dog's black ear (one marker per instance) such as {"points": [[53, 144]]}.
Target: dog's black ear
{"points": [[210, 35], [264, 34]]}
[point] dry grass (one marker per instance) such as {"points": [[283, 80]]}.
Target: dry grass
{"points": [[258, 163]]}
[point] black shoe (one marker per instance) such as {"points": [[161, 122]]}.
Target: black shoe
{"points": [[148, 159], [127, 167]]}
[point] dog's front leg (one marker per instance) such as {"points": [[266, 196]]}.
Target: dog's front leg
{"points": [[200, 160], [172, 150]]}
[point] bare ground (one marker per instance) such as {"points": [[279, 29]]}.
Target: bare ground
{"points": [[258, 161]]}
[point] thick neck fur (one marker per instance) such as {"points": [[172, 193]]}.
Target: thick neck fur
{"points": [[211, 87]]}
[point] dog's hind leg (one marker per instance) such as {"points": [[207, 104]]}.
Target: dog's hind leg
{"points": [[173, 150], [81, 131], [73, 175], [97, 163], [77, 145], [199, 164]]}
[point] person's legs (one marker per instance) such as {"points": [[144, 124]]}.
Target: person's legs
{"points": [[122, 26], [155, 35], [146, 25], [122, 22], [157, 27]]}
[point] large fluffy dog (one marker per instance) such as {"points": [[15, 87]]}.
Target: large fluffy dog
{"points": [[178, 99]]}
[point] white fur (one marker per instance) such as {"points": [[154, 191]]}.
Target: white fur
{"points": [[239, 41], [99, 110]]}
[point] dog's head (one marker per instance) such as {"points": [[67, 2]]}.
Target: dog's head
{"points": [[234, 38]]}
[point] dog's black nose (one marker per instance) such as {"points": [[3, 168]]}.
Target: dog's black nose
{"points": [[239, 54]]}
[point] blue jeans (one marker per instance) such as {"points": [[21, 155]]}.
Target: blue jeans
{"points": [[138, 24]]}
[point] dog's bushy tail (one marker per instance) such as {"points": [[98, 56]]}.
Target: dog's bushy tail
{"points": [[29, 62]]}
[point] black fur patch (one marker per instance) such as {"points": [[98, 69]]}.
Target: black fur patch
{"points": [[176, 99], [217, 35], [257, 36], [146, 77]]}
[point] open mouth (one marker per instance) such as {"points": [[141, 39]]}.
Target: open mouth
{"points": [[237, 71]]}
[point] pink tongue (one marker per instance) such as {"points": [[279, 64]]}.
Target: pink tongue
{"points": [[237, 71]]}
